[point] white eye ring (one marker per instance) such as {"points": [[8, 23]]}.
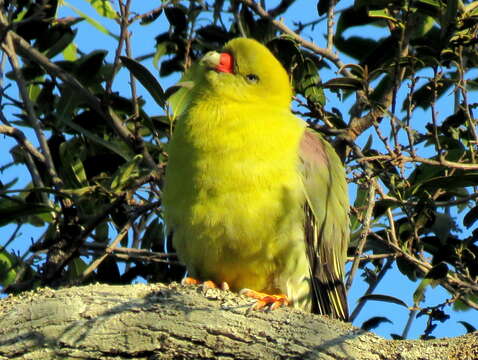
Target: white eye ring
{"points": [[253, 78]]}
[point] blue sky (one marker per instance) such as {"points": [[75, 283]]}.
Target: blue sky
{"points": [[395, 284]]}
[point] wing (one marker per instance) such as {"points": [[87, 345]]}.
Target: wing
{"points": [[326, 223]]}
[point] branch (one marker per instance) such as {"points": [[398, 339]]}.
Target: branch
{"points": [[363, 236], [326, 53], [129, 254], [26, 50], [21, 139], [27, 105], [418, 159], [171, 322]]}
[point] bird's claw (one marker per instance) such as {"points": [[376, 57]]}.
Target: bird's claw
{"points": [[265, 301], [205, 284]]}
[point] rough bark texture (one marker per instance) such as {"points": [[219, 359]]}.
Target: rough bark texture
{"points": [[176, 322]]}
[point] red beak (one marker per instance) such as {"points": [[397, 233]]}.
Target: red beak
{"points": [[226, 63]]}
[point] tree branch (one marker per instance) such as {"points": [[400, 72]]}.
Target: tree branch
{"points": [[171, 322]]}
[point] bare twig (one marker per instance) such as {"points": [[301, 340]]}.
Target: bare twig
{"points": [[94, 265], [25, 49], [363, 236], [326, 53], [418, 159], [330, 25], [9, 49], [130, 254], [124, 23], [372, 287], [22, 140]]}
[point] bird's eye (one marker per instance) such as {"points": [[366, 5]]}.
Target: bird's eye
{"points": [[253, 78]]}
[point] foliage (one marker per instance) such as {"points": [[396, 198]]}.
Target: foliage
{"points": [[95, 156]]}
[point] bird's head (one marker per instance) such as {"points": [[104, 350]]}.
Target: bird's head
{"points": [[246, 71]]}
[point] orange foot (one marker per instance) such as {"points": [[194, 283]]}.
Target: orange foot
{"points": [[206, 284], [264, 301]]}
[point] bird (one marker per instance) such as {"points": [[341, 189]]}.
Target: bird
{"points": [[253, 197]]}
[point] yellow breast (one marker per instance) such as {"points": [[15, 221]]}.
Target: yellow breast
{"points": [[233, 195]]}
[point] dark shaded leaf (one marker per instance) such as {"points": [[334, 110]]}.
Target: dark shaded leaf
{"points": [[356, 46], [352, 16], [146, 20], [407, 269], [55, 40], [16, 212], [449, 182], [177, 18], [343, 83], [125, 174], [108, 271], [146, 79], [75, 269], [214, 34], [153, 236], [384, 298], [171, 65], [88, 67], [374, 322], [469, 328], [323, 7], [471, 217]]}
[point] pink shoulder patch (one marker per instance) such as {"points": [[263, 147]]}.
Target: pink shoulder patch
{"points": [[312, 149]]}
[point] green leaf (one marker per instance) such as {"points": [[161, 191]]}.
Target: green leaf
{"points": [[101, 232], [431, 279], [383, 14], [459, 305], [384, 298], [424, 24], [76, 267], [116, 148], [161, 50], [450, 14], [146, 79], [7, 268], [104, 8], [71, 155], [308, 82], [13, 212], [70, 53], [98, 26], [180, 99], [80, 191], [125, 174], [67, 103]]}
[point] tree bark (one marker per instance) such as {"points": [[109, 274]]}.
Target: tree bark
{"points": [[176, 322]]}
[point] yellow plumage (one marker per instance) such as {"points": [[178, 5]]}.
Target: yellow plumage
{"points": [[234, 194]]}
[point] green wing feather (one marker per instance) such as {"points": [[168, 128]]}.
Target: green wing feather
{"points": [[326, 223]]}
